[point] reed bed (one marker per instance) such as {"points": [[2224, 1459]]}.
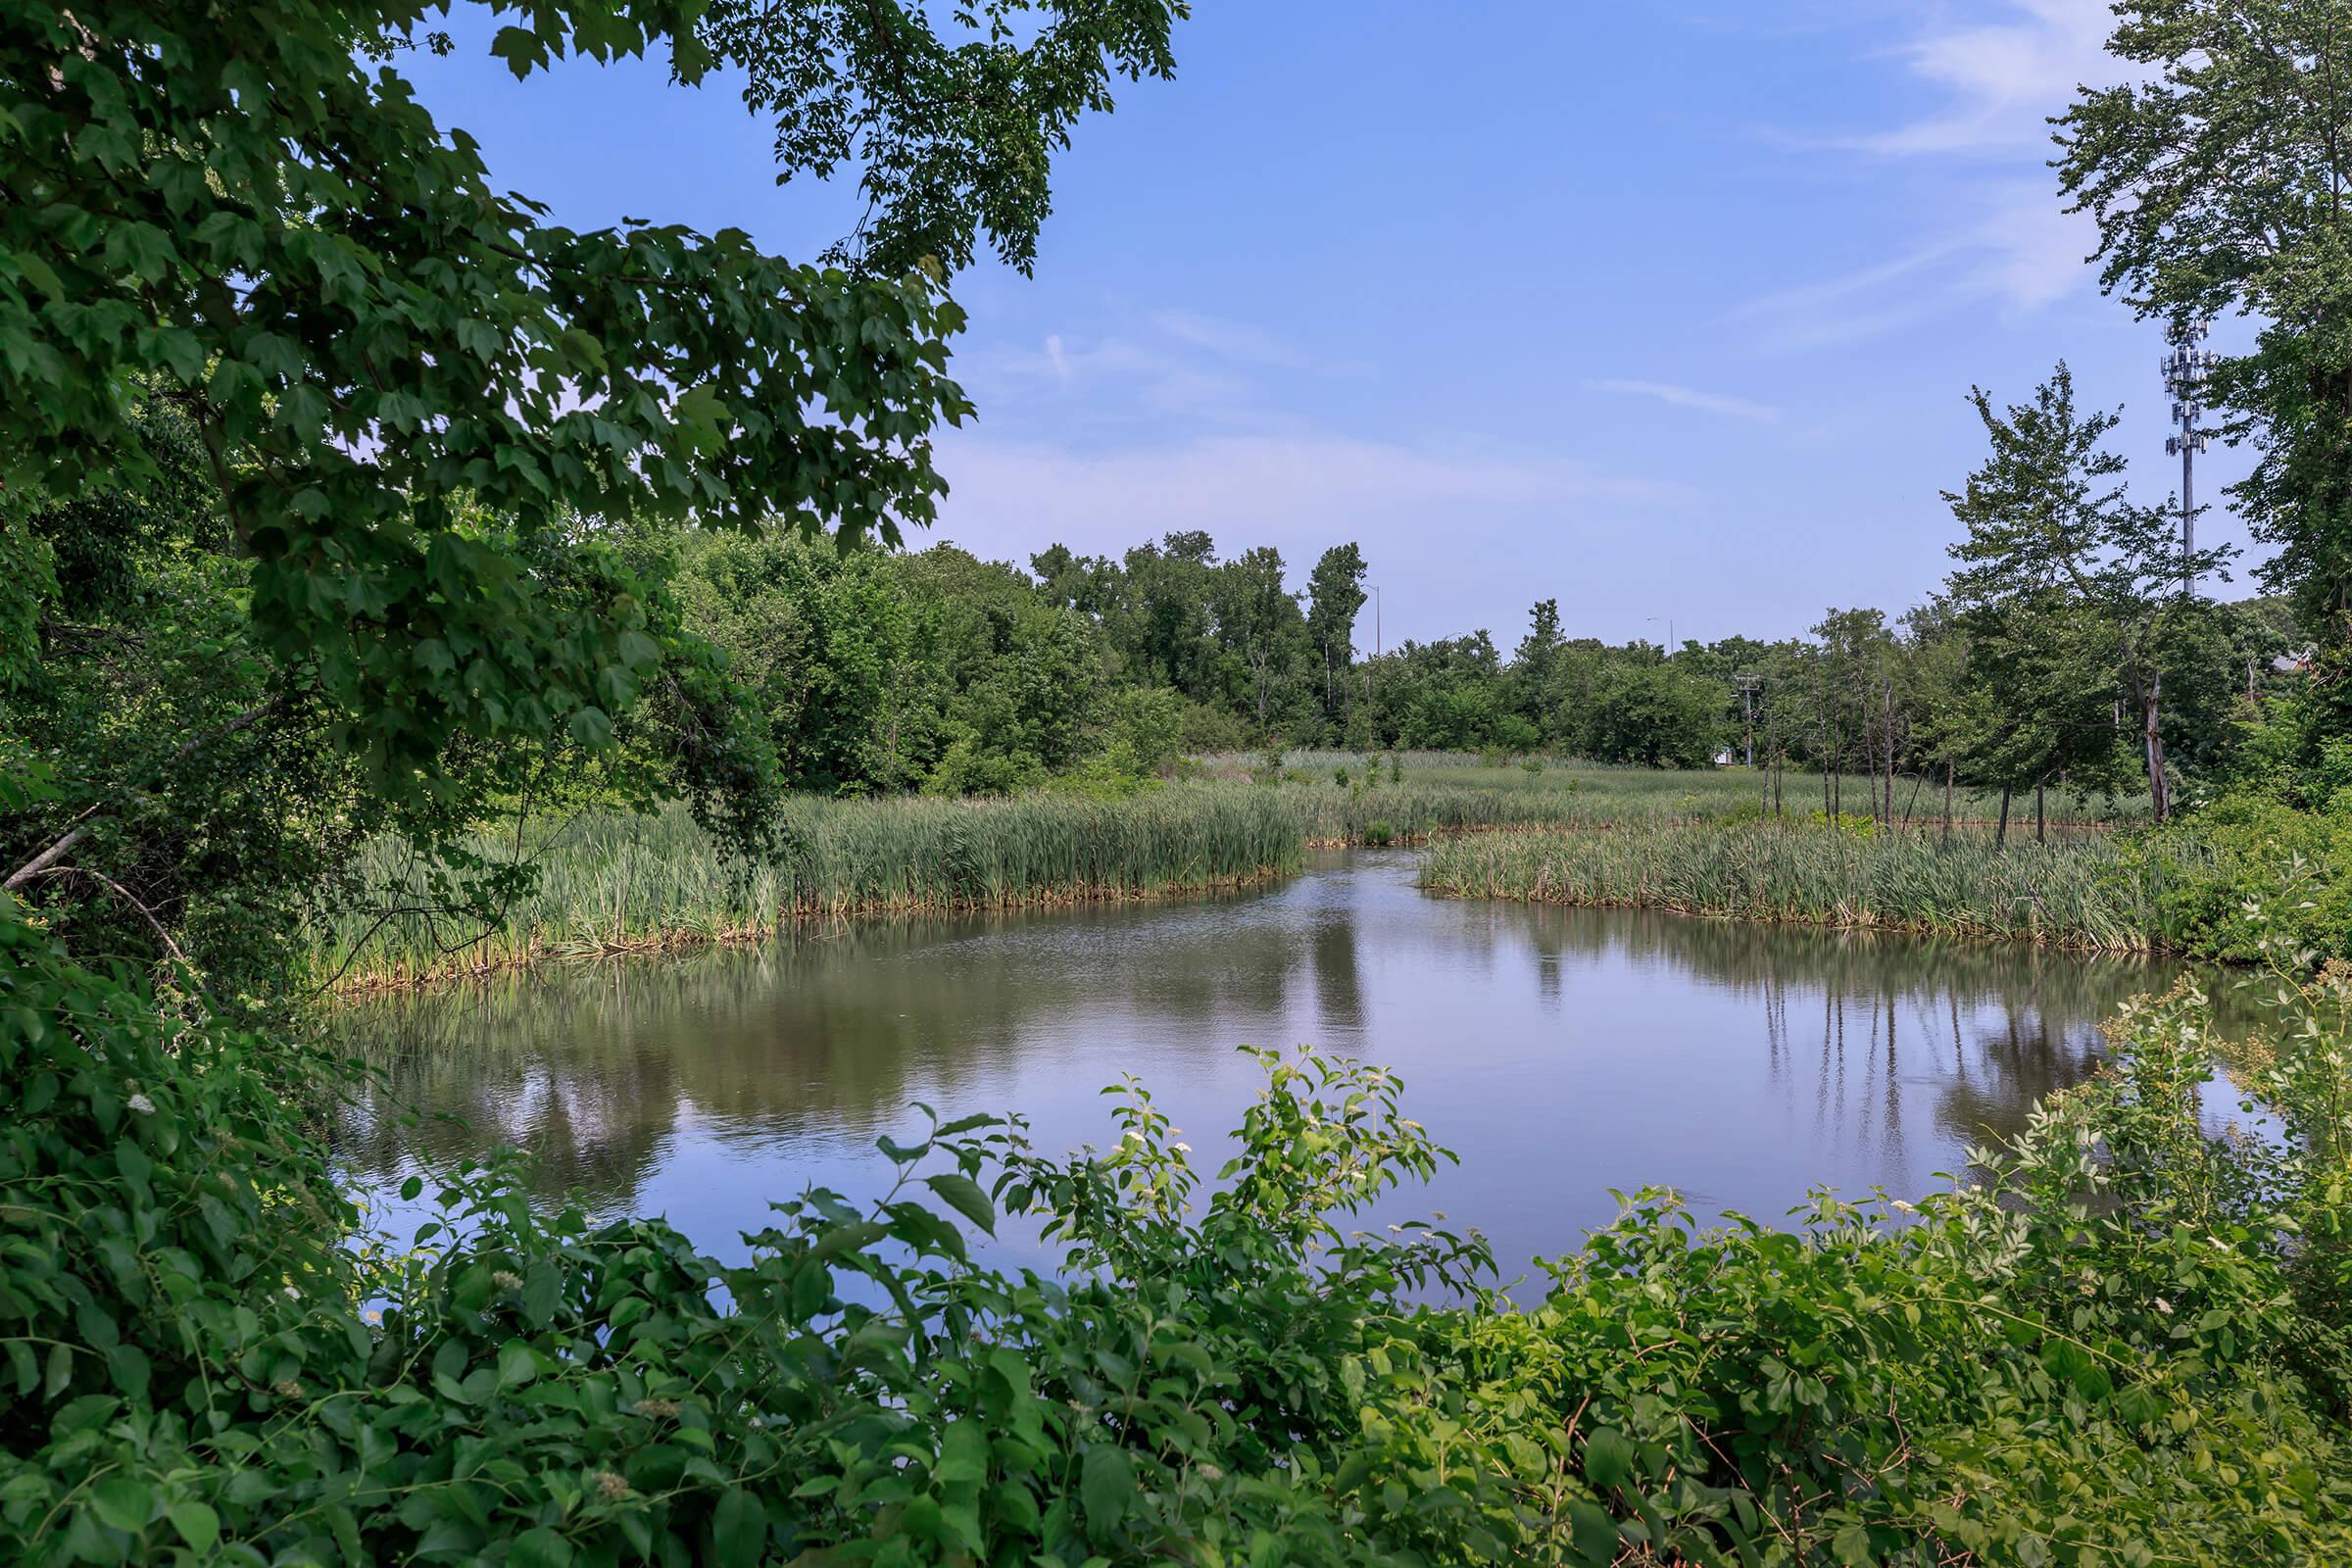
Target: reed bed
{"points": [[613, 883], [2081, 893]]}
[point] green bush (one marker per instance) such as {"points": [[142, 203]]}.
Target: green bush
{"points": [[1145, 728], [2245, 875]]}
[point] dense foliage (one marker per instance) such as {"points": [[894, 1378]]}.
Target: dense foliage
{"points": [[327, 472]]}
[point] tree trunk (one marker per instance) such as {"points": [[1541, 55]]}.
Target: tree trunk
{"points": [[1827, 809], [2159, 798], [1891, 754], [2000, 836]]}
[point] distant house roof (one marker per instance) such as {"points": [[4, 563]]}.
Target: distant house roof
{"points": [[2290, 663]]}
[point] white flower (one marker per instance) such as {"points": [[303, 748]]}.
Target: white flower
{"points": [[142, 1104], [1182, 1148], [2164, 1306]]}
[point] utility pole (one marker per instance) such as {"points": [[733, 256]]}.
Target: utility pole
{"points": [[2184, 372], [1747, 685]]}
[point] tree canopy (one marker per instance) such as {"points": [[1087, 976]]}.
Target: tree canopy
{"points": [[396, 375]]}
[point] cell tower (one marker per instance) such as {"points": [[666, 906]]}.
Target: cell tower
{"points": [[1747, 686], [2185, 371]]}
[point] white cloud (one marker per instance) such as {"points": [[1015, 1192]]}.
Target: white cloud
{"points": [[1176, 422], [1683, 397], [2019, 251], [2008, 241], [2002, 79]]}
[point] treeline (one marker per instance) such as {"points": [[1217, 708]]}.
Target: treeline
{"points": [[874, 672], [2072, 646]]}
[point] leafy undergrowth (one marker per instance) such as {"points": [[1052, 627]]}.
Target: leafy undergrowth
{"points": [[2125, 1346]]}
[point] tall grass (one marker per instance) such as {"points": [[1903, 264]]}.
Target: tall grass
{"points": [[2077, 894], [613, 882]]}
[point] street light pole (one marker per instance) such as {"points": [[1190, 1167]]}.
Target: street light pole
{"points": [[2185, 371]]}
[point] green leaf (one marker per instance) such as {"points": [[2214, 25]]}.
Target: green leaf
{"points": [[592, 727], [738, 1526], [1107, 1488], [123, 1503], [964, 1195], [542, 1548], [198, 1525], [1593, 1533], [519, 48], [1609, 1459], [59, 1371]]}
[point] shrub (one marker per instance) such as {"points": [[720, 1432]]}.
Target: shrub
{"points": [[1145, 730], [1213, 729], [2246, 870]]}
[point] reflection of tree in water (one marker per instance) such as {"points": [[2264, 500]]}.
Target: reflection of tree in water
{"points": [[818, 1044], [591, 1070], [1339, 988], [1994, 1025]]}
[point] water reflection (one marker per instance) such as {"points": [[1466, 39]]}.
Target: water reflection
{"points": [[1562, 1052]]}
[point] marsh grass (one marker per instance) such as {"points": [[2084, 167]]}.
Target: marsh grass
{"points": [[613, 883], [2080, 893]]}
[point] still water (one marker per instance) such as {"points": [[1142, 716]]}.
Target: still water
{"points": [[1560, 1051]]}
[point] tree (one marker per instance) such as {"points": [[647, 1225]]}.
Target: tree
{"points": [[403, 384], [1335, 597], [2047, 534], [2219, 178], [1652, 713], [1258, 619]]}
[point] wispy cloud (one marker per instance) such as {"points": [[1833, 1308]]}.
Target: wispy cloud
{"points": [[1172, 421], [1159, 365], [2021, 252], [2001, 80], [1995, 80], [1683, 397]]}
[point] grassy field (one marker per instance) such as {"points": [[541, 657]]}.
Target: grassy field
{"points": [[2078, 893], [613, 882]]}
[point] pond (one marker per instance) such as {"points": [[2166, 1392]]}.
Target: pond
{"points": [[1561, 1052]]}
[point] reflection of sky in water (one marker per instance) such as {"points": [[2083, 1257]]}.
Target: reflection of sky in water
{"points": [[1561, 1052]]}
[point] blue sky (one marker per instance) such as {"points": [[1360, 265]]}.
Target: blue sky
{"points": [[1665, 309]]}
